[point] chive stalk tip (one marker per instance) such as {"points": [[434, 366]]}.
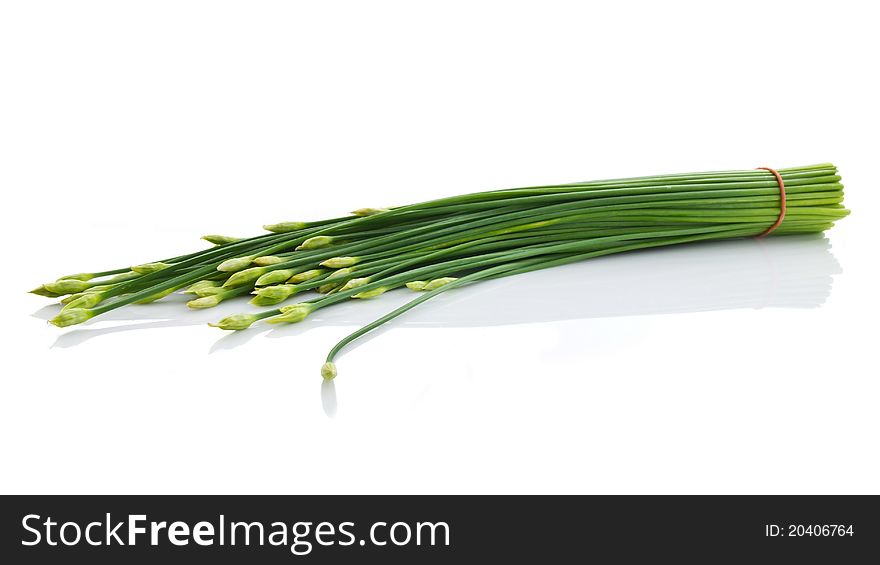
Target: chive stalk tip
{"points": [[316, 242], [328, 371], [363, 212], [236, 264], [204, 302], [71, 317], [235, 322], [67, 286], [291, 314], [285, 227], [339, 262], [220, 239]]}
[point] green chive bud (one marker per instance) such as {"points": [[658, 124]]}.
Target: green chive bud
{"points": [[83, 300], [247, 276], [148, 268], [354, 283], [416, 285], [369, 211], [99, 288], [285, 227], [328, 371], [78, 276], [370, 293], [155, 297], [273, 294], [209, 291], [124, 277], [268, 260], [306, 275], [275, 277], [437, 283], [67, 286], [43, 291], [195, 287], [71, 297], [94, 290], [71, 317], [339, 273], [235, 322], [204, 302], [339, 262], [316, 242], [328, 288], [291, 314], [220, 239], [236, 264]]}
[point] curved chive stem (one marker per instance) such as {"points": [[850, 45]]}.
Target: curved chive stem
{"points": [[494, 272]]}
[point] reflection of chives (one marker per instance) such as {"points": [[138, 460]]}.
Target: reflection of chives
{"points": [[442, 244]]}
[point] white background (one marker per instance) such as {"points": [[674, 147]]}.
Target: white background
{"points": [[129, 129]]}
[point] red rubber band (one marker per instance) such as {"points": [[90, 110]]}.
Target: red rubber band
{"points": [[782, 206]]}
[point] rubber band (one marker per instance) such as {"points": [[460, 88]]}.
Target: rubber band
{"points": [[782, 206]]}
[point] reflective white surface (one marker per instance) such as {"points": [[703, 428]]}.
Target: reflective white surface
{"points": [[693, 354], [746, 366]]}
